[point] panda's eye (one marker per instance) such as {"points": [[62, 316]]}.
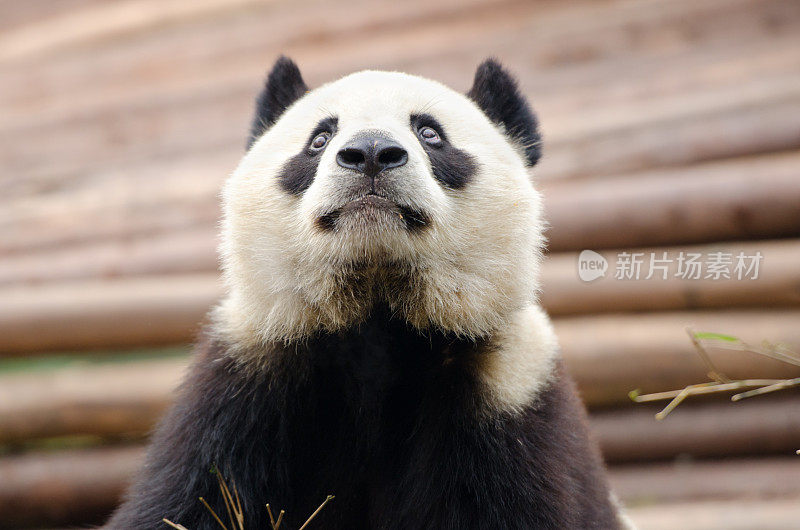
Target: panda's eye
{"points": [[430, 136], [320, 141]]}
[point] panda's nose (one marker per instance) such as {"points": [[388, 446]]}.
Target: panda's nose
{"points": [[371, 154]]}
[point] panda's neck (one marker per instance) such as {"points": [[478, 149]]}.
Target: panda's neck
{"points": [[504, 371], [384, 351]]}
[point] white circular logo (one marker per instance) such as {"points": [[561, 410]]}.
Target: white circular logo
{"points": [[591, 265]]}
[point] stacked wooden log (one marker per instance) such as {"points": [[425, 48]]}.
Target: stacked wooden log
{"points": [[669, 128]]}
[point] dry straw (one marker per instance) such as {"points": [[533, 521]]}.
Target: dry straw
{"points": [[719, 381], [233, 505]]}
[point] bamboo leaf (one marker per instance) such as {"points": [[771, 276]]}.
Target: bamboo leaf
{"points": [[714, 336]]}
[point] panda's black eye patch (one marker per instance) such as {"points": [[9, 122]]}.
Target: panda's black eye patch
{"points": [[452, 167], [298, 172]]}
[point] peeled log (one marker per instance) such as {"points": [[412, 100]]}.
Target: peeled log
{"points": [[181, 197], [95, 314], [127, 399], [740, 199], [168, 308], [707, 480], [192, 252], [168, 231], [172, 252], [70, 487], [109, 400], [752, 198], [778, 282], [742, 127], [739, 514], [608, 356], [83, 486], [541, 36]]}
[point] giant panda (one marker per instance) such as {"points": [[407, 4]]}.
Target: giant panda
{"points": [[380, 339]]}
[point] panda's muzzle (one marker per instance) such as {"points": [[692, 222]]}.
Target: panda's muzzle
{"points": [[371, 154]]}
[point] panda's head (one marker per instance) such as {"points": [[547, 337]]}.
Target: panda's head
{"points": [[381, 188]]}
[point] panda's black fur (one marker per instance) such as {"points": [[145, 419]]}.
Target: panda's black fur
{"points": [[451, 166], [382, 417], [497, 94], [298, 172], [380, 414], [283, 87]]}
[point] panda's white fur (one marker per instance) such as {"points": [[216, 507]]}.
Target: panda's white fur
{"points": [[475, 267]]}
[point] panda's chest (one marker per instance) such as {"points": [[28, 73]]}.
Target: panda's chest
{"points": [[380, 380], [384, 358]]}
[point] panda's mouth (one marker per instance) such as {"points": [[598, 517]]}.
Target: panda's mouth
{"points": [[374, 207], [370, 200]]}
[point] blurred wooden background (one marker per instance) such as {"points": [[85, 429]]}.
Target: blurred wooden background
{"points": [[669, 126]]}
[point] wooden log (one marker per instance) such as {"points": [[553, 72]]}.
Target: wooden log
{"points": [[95, 137], [70, 487], [94, 314], [556, 35], [586, 100], [99, 137], [741, 514], [109, 400], [126, 400], [684, 481], [564, 293], [739, 129], [742, 199], [82, 486], [656, 208], [566, 142], [171, 232], [758, 426], [169, 310], [607, 356], [610, 355], [100, 22], [175, 199], [173, 252]]}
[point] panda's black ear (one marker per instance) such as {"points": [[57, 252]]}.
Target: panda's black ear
{"points": [[495, 91], [283, 87]]}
